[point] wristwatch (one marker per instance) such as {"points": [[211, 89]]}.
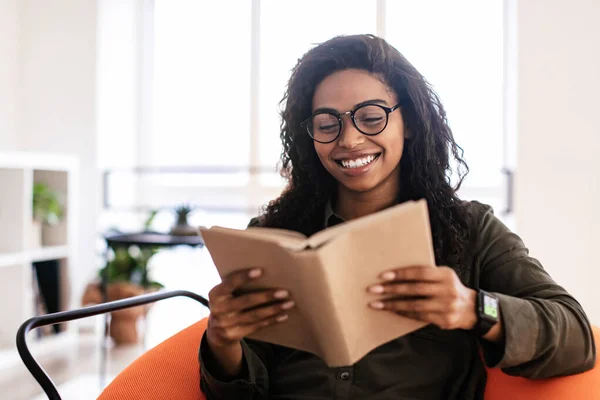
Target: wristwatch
{"points": [[488, 312]]}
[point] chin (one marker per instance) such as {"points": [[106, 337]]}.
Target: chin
{"points": [[363, 186]]}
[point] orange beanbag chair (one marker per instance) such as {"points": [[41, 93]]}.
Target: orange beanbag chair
{"points": [[170, 371]]}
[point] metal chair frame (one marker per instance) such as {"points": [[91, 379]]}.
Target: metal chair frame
{"points": [[64, 316]]}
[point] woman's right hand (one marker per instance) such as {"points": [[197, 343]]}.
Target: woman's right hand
{"points": [[234, 317]]}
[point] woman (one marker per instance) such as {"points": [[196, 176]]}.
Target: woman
{"points": [[362, 130]]}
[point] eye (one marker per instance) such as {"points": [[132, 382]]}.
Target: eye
{"points": [[328, 127], [325, 123], [370, 115], [372, 119]]}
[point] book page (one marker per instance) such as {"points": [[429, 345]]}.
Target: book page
{"points": [[232, 251], [317, 305], [355, 259], [332, 318]]}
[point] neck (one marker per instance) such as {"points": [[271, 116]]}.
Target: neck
{"points": [[350, 204]]}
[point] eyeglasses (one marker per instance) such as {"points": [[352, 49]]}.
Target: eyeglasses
{"points": [[370, 119]]}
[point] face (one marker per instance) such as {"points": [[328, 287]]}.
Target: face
{"points": [[360, 163]]}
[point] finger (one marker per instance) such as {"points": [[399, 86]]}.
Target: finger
{"points": [[248, 301], [442, 320], [253, 316], [408, 288], [258, 299], [415, 273], [259, 314], [232, 282], [411, 305], [238, 332], [429, 317]]}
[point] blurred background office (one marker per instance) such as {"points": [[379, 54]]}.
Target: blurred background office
{"points": [[115, 115]]}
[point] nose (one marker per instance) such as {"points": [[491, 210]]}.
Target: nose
{"points": [[350, 137]]}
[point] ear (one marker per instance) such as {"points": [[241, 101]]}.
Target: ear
{"points": [[407, 134]]}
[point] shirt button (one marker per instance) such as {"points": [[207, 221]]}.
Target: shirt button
{"points": [[344, 376]]}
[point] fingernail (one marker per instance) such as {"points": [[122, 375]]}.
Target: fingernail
{"points": [[376, 289], [281, 294], [287, 305], [255, 273], [388, 276], [281, 318], [378, 305]]}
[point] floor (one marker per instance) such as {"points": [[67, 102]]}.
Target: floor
{"points": [[77, 372]]}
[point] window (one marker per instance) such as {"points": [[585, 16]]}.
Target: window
{"points": [[201, 85], [203, 88]]}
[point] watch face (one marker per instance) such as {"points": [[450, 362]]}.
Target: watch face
{"points": [[490, 307]]}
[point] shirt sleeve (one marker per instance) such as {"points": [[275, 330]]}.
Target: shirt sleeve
{"points": [[251, 384], [546, 332]]}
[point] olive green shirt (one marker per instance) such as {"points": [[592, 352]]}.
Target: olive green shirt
{"points": [[546, 334]]}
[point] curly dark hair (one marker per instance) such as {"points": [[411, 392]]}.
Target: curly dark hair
{"points": [[425, 168]]}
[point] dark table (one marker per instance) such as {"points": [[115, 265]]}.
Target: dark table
{"points": [[152, 239]]}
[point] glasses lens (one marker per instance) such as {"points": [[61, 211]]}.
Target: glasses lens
{"points": [[370, 119], [324, 127]]}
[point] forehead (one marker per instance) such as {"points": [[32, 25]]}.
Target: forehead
{"points": [[342, 90]]}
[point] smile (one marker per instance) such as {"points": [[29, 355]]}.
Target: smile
{"points": [[358, 162]]}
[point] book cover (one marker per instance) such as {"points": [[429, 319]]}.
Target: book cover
{"points": [[327, 275]]}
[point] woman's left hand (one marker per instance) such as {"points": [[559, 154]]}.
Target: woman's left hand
{"points": [[433, 295]]}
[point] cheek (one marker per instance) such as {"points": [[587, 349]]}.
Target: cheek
{"points": [[392, 142], [398, 150], [322, 151], [399, 146]]}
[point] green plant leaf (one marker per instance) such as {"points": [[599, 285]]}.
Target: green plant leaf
{"points": [[129, 264], [47, 205]]}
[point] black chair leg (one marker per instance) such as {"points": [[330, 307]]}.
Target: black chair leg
{"points": [[64, 316]]}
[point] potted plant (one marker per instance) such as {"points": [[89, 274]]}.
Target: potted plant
{"points": [[126, 275], [47, 209], [182, 226]]}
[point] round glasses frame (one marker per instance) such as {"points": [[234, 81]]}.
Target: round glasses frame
{"points": [[306, 123]]}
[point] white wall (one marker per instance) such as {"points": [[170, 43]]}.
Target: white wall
{"points": [[8, 73], [57, 100], [558, 175]]}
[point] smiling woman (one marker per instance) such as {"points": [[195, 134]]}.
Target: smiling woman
{"points": [[362, 130]]}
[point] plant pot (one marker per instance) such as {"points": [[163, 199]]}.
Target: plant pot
{"points": [[124, 323], [184, 230], [182, 227]]}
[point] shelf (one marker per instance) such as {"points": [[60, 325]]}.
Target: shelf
{"points": [[12, 259], [34, 255], [48, 253], [51, 162], [19, 171]]}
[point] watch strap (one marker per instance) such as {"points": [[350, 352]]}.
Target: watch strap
{"points": [[485, 320]]}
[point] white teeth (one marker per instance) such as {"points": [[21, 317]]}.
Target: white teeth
{"points": [[359, 162]]}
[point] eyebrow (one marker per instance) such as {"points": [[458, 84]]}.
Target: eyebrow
{"points": [[363, 103]]}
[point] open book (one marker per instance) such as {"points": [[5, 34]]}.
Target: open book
{"points": [[327, 275]]}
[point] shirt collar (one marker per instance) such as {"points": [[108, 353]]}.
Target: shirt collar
{"points": [[331, 218]]}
